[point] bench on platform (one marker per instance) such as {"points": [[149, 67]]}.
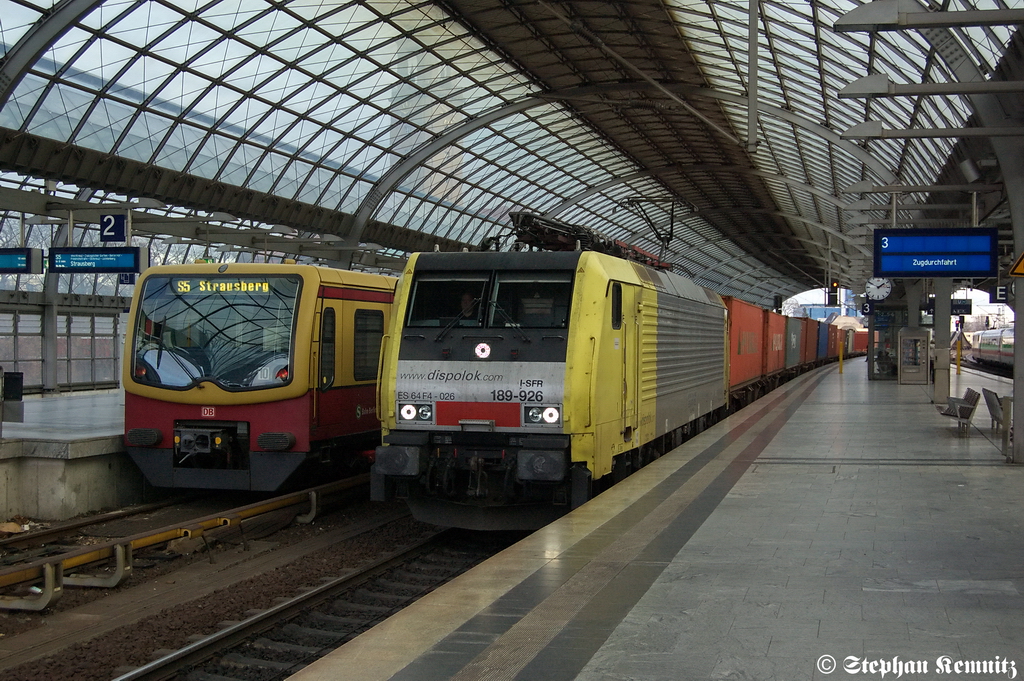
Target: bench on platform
{"points": [[962, 409], [995, 408]]}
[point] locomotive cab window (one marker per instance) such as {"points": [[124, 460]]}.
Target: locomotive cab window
{"points": [[440, 299], [538, 300], [616, 306]]}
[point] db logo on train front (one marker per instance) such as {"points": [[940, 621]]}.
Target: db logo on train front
{"points": [[207, 412]]}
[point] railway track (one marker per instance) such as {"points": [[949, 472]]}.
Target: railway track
{"points": [[279, 641], [34, 571], [95, 635]]}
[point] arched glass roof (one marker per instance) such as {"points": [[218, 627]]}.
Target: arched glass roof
{"points": [[628, 117]]}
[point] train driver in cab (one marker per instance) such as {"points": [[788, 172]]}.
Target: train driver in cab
{"points": [[469, 313]]}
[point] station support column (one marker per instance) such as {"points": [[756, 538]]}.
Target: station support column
{"points": [[914, 288], [943, 293]]}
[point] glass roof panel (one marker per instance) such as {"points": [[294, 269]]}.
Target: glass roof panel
{"points": [[317, 101]]}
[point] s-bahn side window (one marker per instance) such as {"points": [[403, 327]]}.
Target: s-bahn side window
{"points": [[538, 300], [616, 306], [236, 331], [440, 299], [367, 332], [327, 348]]}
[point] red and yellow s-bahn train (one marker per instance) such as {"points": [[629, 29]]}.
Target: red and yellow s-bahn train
{"points": [[252, 376]]}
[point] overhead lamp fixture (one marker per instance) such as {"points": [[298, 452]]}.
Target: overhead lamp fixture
{"points": [[284, 230], [44, 220], [970, 171], [866, 204], [146, 202], [221, 216], [170, 240]]}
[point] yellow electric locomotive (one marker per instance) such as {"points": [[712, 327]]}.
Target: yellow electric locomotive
{"points": [[247, 376], [513, 383]]}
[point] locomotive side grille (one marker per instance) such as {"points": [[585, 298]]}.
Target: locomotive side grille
{"points": [[143, 437], [275, 442]]}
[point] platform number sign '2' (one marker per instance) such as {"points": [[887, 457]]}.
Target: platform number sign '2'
{"points": [[113, 228]]}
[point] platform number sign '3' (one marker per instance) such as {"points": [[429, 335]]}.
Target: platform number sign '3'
{"points": [[113, 228]]}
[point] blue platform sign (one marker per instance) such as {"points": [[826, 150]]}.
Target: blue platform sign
{"points": [[113, 228], [21, 261], [959, 252], [98, 260]]}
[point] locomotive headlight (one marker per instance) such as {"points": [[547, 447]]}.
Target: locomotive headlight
{"points": [[416, 412], [542, 415]]}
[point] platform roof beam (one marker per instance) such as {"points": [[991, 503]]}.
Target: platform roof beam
{"points": [[901, 15], [881, 85]]}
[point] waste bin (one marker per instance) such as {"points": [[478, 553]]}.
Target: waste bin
{"points": [[14, 386], [12, 409]]}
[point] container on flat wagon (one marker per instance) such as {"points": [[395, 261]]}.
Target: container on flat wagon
{"points": [[809, 340], [834, 336], [794, 346], [775, 343], [860, 340], [821, 352], [746, 341]]}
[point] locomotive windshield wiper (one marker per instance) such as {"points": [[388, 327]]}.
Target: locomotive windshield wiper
{"points": [[511, 322], [451, 325]]}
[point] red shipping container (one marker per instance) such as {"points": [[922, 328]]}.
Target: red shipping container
{"points": [[809, 341], [746, 341], [775, 343], [834, 335], [860, 341]]}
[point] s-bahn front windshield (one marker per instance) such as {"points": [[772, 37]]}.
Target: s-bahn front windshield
{"points": [[503, 299], [236, 331]]}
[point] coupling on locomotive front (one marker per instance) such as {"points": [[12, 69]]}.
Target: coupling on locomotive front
{"points": [[515, 383], [253, 376]]}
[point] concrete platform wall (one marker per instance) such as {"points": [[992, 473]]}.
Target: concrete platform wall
{"points": [[47, 480]]}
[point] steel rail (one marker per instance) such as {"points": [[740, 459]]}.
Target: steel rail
{"points": [[168, 666], [51, 570]]}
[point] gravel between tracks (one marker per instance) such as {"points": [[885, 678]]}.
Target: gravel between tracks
{"points": [[133, 644]]}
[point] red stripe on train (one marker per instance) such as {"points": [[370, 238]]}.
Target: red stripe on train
{"points": [[356, 294], [504, 414]]}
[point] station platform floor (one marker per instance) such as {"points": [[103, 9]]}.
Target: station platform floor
{"points": [[835, 526], [67, 457], [69, 417]]}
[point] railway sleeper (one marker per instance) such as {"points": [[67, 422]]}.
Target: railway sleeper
{"points": [[288, 648], [384, 596], [415, 586], [333, 620], [206, 676], [295, 631], [236, 660], [348, 606]]}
